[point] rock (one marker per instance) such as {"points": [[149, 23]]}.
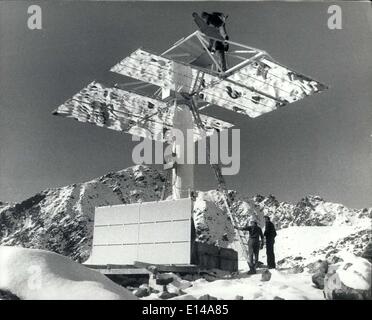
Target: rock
{"points": [[294, 270], [334, 260], [367, 253], [266, 275], [167, 295], [141, 292], [7, 295], [318, 279], [298, 269], [190, 277], [164, 279], [278, 298], [238, 297], [172, 289], [320, 266], [209, 277], [178, 285], [145, 286], [349, 280], [298, 258], [207, 297], [331, 253]]}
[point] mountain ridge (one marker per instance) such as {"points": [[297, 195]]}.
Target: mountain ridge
{"points": [[61, 219]]}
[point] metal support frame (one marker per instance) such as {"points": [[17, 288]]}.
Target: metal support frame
{"points": [[202, 39], [219, 67], [221, 184], [179, 42], [243, 63]]}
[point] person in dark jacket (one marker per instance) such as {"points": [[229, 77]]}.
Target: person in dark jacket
{"points": [[270, 234], [254, 244]]}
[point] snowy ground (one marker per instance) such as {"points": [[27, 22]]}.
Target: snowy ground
{"points": [[38, 274], [302, 241], [285, 286], [282, 285], [290, 242]]}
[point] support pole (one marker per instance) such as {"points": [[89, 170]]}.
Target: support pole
{"points": [[183, 173]]}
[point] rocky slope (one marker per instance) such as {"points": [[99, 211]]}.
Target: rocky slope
{"points": [[310, 211], [61, 219]]}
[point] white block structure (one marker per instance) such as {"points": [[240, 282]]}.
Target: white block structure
{"points": [[152, 232]]}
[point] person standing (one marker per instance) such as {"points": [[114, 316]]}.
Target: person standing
{"points": [[270, 234], [254, 244]]}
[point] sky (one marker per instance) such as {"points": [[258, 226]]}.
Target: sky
{"points": [[320, 145]]}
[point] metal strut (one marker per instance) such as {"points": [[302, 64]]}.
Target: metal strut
{"points": [[221, 184], [166, 179]]}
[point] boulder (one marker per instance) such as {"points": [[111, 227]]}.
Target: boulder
{"points": [[367, 253], [191, 277], [164, 279], [209, 277], [278, 298], [142, 292], [334, 259], [348, 280], [178, 285], [318, 266], [266, 275], [298, 258], [7, 295], [293, 270], [165, 295], [238, 297], [318, 279]]}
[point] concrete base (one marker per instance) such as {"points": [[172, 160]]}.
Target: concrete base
{"points": [[209, 256]]}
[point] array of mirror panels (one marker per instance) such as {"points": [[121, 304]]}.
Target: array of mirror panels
{"points": [[126, 111], [255, 89], [285, 85], [158, 71]]}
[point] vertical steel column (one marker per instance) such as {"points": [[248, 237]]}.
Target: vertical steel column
{"points": [[183, 172]]}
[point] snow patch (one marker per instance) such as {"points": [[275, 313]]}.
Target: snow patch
{"points": [[42, 275]]}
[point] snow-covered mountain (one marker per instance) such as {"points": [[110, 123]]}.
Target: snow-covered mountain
{"points": [[61, 219], [310, 211]]}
